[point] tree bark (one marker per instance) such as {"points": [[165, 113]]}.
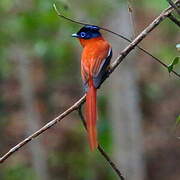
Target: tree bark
{"points": [[124, 110]]}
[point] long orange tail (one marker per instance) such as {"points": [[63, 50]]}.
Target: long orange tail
{"points": [[91, 115]]}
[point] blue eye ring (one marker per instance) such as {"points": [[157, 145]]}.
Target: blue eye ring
{"points": [[83, 34]]}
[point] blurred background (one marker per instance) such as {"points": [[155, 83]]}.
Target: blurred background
{"points": [[40, 78]]}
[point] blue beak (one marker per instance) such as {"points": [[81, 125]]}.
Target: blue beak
{"points": [[75, 35]]}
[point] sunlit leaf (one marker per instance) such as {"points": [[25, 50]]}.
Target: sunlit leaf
{"points": [[175, 62], [178, 120]]}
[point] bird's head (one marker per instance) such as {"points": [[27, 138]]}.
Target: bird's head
{"points": [[88, 32]]}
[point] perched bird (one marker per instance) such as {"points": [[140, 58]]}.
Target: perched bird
{"points": [[95, 60]]}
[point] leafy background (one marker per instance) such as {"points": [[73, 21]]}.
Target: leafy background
{"points": [[34, 28]]}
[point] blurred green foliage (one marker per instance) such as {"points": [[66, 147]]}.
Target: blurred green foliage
{"points": [[178, 120], [18, 172], [154, 4], [34, 25]]}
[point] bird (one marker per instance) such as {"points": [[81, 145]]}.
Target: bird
{"points": [[95, 61]]}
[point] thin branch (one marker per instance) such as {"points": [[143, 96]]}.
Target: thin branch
{"points": [[74, 107], [172, 18], [174, 5], [114, 65], [141, 36], [69, 19], [117, 34], [101, 150], [130, 11]]}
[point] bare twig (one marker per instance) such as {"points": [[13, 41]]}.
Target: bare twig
{"points": [[130, 10], [44, 128], [141, 36], [117, 34], [114, 65], [174, 5], [101, 150], [172, 18]]}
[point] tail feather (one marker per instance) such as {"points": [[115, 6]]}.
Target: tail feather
{"points": [[91, 115]]}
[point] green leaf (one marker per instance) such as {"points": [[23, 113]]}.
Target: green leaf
{"points": [[178, 120], [176, 60], [171, 66]]}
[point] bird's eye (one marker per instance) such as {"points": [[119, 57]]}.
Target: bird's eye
{"points": [[83, 34]]}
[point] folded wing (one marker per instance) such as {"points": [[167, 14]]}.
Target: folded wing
{"points": [[94, 63]]}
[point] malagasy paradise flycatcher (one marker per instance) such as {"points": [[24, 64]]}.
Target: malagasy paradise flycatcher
{"points": [[95, 60]]}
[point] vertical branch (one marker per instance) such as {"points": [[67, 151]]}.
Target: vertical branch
{"points": [[101, 150], [130, 10]]}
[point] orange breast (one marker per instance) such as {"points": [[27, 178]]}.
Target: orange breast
{"points": [[94, 53]]}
